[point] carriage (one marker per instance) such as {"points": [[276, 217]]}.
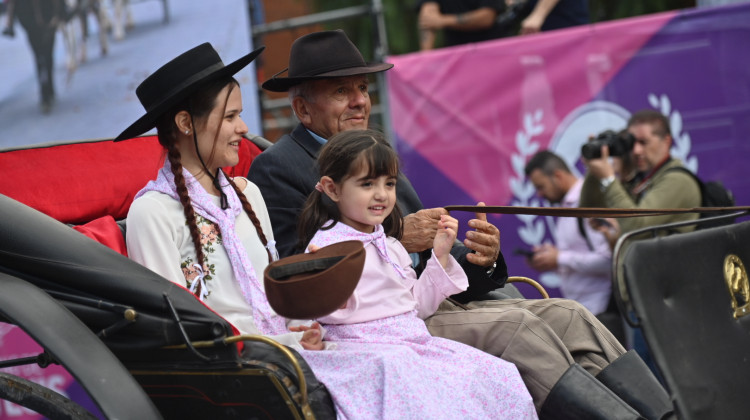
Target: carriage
{"points": [[143, 347]]}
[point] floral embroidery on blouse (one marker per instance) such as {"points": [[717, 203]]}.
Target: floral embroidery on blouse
{"points": [[210, 236]]}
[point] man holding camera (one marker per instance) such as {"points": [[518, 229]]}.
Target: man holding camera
{"points": [[646, 145], [653, 185]]}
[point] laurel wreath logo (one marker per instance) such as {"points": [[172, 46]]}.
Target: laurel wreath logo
{"points": [[682, 143], [532, 231]]}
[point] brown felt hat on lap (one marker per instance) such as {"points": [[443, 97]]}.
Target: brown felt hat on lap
{"points": [[309, 286], [321, 55]]}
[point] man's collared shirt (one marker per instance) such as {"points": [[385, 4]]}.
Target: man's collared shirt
{"points": [[585, 274], [317, 138]]}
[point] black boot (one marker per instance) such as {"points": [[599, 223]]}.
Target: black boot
{"points": [[630, 378], [579, 396]]}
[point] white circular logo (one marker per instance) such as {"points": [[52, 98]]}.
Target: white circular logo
{"points": [[573, 131], [582, 123]]}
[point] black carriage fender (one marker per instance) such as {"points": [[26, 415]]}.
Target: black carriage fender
{"points": [[80, 351]]}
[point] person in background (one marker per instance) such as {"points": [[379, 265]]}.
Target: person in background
{"points": [[461, 21], [547, 15], [581, 255], [653, 185]]}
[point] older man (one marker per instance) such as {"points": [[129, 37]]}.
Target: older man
{"points": [[556, 344]]}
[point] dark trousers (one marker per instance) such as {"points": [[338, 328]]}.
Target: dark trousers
{"points": [[612, 319], [37, 17]]}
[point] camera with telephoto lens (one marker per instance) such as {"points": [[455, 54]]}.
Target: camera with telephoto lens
{"points": [[619, 144]]}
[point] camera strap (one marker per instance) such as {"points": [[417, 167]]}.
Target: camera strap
{"points": [[582, 232], [644, 183]]}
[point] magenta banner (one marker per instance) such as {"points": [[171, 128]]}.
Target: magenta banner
{"points": [[466, 119]]}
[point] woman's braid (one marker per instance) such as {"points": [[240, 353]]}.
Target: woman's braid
{"points": [[173, 154], [251, 214]]}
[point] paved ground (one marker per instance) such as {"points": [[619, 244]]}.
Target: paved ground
{"points": [[99, 101]]}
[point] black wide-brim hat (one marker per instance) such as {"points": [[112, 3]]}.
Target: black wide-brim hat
{"points": [[322, 55], [177, 80], [309, 286]]}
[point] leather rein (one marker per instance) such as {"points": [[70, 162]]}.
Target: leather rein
{"points": [[592, 211]]}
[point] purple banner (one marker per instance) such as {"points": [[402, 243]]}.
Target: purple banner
{"points": [[466, 119]]}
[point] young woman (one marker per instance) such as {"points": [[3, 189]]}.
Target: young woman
{"points": [[194, 225], [380, 325]]}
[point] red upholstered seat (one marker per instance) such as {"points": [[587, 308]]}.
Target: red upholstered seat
{"points": [[90, 181], [105, 231]]}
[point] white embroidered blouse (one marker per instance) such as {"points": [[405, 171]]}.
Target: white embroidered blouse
{"points": [[158, 238]]}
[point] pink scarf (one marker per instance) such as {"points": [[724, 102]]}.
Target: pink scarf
{"points": [[343, 232], [203, 204]]}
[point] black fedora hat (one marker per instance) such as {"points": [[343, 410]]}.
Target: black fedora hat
{"points": [[309, 286], [177, 80], [322, 55]]}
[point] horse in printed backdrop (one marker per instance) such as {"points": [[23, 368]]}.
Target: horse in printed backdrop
{"points": [[41, 19]]}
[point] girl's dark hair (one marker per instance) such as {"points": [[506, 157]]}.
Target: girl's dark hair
{"points": [[199, 105], [343, 156]]}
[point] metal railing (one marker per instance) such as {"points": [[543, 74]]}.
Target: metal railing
{"points": [[272, 115]]}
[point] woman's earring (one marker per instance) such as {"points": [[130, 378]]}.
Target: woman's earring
{"points": [[187, 131]]}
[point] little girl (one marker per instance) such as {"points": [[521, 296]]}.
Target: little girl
{"points": [[420, 376]]}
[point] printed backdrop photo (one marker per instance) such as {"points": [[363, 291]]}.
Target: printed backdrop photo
{"points": [[97, 101]]}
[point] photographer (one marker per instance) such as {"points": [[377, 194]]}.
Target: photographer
{"points": [[653, 185], [646, 144]]}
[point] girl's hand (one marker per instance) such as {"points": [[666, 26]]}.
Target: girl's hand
{"points": [[312, 337], [419, 229], [312, 248], [444, 239]]}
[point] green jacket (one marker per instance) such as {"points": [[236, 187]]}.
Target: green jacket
{"points": [[665, 189]]}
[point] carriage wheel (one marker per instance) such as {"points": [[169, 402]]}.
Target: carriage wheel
{"points": [[40, 399]]}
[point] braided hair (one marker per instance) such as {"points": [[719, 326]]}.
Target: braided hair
{"points": [[199, 106]]}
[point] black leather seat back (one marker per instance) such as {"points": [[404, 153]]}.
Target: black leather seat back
{"points": [[694, 325]]}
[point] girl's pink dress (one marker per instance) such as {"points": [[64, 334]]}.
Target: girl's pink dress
{"points": [[391, 367]]}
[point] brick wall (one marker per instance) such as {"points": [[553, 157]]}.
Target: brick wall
{"points": [[278, 44]]}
